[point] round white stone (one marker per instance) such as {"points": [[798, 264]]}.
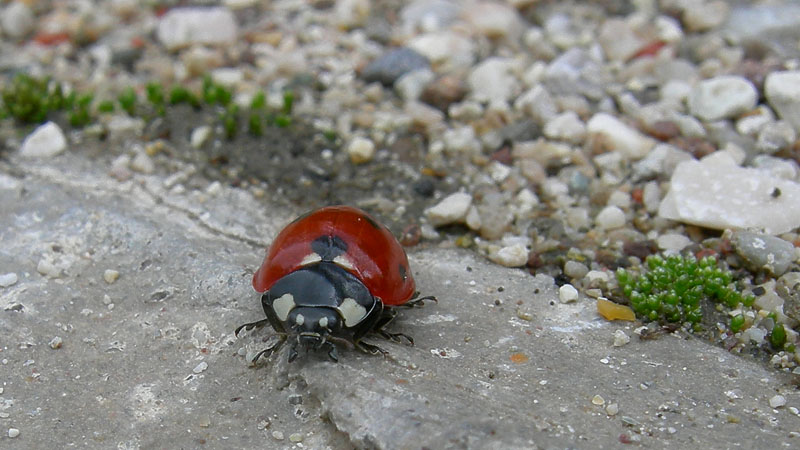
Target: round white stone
{"points": [[567, 293], [361, 150], [610, 217]]}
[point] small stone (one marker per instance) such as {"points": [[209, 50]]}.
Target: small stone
{"points": [[452, 209], [8, 279], [762, 251], [47, 268], [703, 16], [45, 141], [110, 275], [567, 293], [777, 401], [17, 20], [361, 150], [673, 242], [295, 399], [776, 136], [618, 39], [609, 218], [449, 51], [199, 136], [575, 270], [598, 400], [143, 163], [200, 367], [350, 14], [621, 339], [566, 127], [296, 437], [538, 104], [722, 97], [461, 140], [493, 79], [782, 90], [515, 255], [278, 435], [612, 409], [122, 127], [610, 133], [443, 92], [13, 432], [56, 343], [411, 85], [183, 27], [710, 193], [493, 20], [392, 65]]}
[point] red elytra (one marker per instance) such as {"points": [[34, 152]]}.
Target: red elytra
{"points": [[375, 257]]}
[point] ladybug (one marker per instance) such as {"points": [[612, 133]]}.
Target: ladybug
{"points": [[333, 275]]}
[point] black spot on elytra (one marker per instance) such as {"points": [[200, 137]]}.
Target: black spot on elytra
{"points": [[403, 271], [329, 247]]}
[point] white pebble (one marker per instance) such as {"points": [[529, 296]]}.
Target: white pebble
{"points": [[200, 367], [610, 217], [182, 27], [277, 435], [621, 338], [110, 275], [56, 343], [17, 20], [13, 432], [673, 242], [199, 136], [612, 133], [8, 279], [143, 163], [451, 209], [722, 97], [567, 293], [598, 400], [361, 150], [44, 142], [612, 409], [783, 93], [777, 401], [47, 268], [515, 255]]}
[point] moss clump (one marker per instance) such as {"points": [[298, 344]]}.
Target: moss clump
{"points": [[673, 287]]}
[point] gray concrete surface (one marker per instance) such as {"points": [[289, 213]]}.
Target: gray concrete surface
{"points": [[150, 360]]}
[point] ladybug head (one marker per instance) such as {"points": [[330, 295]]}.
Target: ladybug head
{"points": [[317, 302]]}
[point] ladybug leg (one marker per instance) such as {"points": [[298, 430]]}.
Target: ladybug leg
{"points": [[269, 350], [386, 318], [332, 354], [370, 348], [417, 301], [250, 326]]}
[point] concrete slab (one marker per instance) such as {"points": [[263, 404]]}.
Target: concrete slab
{"points": [[149, 360]]}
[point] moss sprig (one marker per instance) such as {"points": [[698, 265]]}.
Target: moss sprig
{"points": [[672, 288]]}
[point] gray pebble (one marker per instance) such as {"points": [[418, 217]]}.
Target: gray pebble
{"points": [[762, 251], [394, 64]]}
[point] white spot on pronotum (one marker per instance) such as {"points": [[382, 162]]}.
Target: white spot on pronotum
{"points": [[282, 306], [311, 258], [343, 262], [299, 319], [323, 322], [352, 312]]}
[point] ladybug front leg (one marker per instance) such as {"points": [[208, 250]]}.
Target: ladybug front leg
{"points": [[416, 301], [386, 318]]}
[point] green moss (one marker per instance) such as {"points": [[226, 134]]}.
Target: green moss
{"points": [[778, 336], [737, 323], [31, 100], [672, 288], [127, 101]]}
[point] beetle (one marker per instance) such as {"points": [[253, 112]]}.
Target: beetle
{"points": [[333, 275]]}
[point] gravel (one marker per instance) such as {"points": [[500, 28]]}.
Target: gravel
{"points": [[567, 139]]}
